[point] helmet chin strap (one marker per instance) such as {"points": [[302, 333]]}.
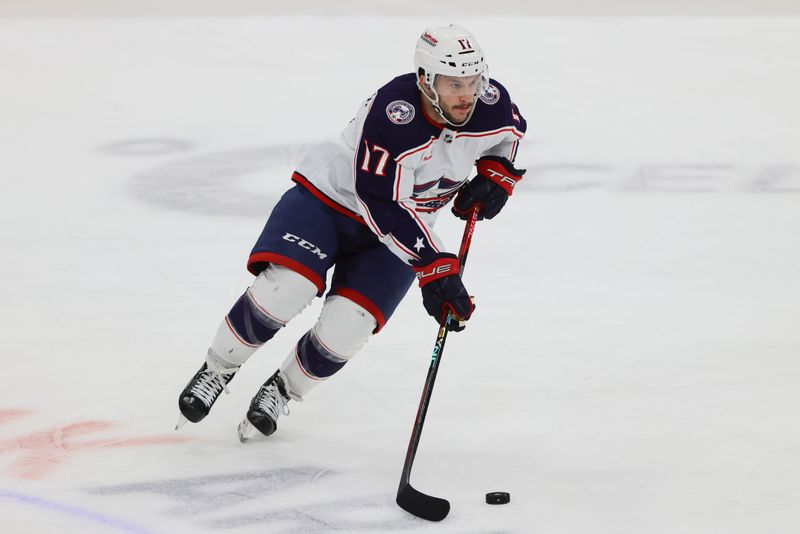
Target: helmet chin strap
{"points": [[438, 108]]}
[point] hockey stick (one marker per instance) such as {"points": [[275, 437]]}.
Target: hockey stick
{"points": [[409, 499]]}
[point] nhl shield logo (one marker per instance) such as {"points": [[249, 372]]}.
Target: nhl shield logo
{"points": [[491, 95], [400, 112]]}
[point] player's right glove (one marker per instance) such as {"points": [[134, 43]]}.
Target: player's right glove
{"points": [[489, 190], [442, 289]]}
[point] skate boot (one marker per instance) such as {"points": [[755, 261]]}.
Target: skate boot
{"points": [[203, 390], [265, 408]]}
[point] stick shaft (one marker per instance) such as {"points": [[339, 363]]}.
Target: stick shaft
{"points": [[436, 358]]}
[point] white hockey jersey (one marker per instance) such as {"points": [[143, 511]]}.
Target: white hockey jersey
{"points": [[394, 167]]}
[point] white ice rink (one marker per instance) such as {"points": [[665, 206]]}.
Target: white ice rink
{"points": [[633, 366]]}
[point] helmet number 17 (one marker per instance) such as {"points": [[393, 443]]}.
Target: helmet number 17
{"points": [[465, 44]]}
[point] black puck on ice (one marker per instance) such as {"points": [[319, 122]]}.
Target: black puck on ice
{"points": [[498, 497]]}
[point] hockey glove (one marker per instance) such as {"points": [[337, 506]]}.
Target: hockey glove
{"points": [[489, 190], [443, 291]]}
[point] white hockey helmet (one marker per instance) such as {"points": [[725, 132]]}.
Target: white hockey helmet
{"points": [[449, 51]]}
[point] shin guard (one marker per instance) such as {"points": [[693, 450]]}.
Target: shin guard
{"points": [[277, 295], [342, 329]]}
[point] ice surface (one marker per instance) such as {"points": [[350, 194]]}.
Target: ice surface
{"points": [[632, 366]]}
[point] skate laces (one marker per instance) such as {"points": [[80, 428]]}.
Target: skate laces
{"points": [[272, 401], [211, 382]]}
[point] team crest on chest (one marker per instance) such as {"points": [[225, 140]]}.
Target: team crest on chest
{"points": [[400, 112], [491, 95]]}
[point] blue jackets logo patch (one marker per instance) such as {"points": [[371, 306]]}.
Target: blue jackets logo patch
{"points": [[491, 95], [400, 112]]}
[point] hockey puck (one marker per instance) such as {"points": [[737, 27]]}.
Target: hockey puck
{"points": [[498, 497]]}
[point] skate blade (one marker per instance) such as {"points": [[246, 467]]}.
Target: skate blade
{"points": [[181, 421], [247, 431]]}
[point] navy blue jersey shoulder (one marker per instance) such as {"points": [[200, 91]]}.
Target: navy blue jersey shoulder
{"points": [[396, 121], [494, 110]]}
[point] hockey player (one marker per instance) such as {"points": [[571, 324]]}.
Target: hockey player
{"points": [[365, 206]]}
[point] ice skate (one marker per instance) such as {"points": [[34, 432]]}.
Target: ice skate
{"points": [[203, 390], [265, 408]]}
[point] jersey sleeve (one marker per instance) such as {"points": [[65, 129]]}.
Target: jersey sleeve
{"points": [[384, 183]]}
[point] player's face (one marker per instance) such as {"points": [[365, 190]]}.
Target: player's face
{"points": [[457, 95]]}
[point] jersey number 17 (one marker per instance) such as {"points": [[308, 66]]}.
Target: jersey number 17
{"points": [[380, 167]]}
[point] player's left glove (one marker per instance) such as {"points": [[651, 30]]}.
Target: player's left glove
{"points": [[489, 190], [443, 290]]}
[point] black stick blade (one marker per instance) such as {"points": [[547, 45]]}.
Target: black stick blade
{"points": [[421, 505]]}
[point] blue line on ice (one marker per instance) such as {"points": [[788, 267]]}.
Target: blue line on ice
{"points": [[39, 502]]}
